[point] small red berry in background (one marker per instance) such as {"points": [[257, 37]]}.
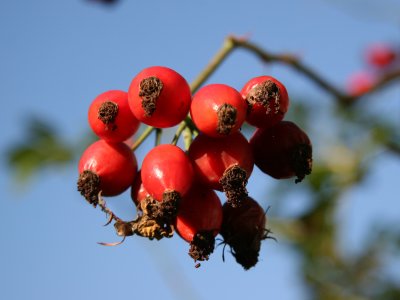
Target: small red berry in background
{"points": [[159, 97], [267, 99], [223, 164], [105, 167], [282, 151], [380, 55], [218, 110], [167, 172], [111, 118], [243, 229], [360, 83], [199, 221]]}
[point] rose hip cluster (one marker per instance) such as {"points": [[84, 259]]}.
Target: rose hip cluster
{"points": [[174, 190]]}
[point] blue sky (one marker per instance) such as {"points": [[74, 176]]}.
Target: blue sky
{"points": [[56, 56]]}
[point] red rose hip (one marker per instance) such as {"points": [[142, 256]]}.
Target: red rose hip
{"points": [[105, 167], [282, 151], [223, 164], [167, 173], [267, 99], [218, 110], [199, 220], [159, 97], [111, 118]]}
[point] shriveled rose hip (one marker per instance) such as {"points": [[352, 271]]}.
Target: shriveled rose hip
{"points": [[243, 229], [282, 151]]}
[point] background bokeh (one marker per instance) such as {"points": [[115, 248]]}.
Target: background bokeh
{"points": [[56, 56]]}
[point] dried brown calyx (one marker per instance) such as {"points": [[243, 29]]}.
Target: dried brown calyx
{"points": [[89, 186], [169, 206], [107, 113], [149, 90], [123, 228], [226, 114], [157, 218], [234, 181], [202, 245], [263, 94], [147, 227], [152, 222], [301, 161]]}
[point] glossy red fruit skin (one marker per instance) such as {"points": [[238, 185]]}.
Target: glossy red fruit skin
{"points": [[199, 211], [173, 102], [212, 156], [125, 124], [273, 148], [257, 114], [380, 55], [114, 163], [138, 192], [166, 168], [207, 101]]}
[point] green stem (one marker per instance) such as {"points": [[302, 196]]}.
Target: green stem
{"points": [[178, 132], [142, 137], [190, 124], [158, 136], [215, 62], [187, 137]]}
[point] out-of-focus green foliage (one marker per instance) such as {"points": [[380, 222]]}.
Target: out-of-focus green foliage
{"points": [[42, 147]]}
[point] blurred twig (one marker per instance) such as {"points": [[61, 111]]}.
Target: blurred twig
{"points": [[311, 74], [231, 43]]}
